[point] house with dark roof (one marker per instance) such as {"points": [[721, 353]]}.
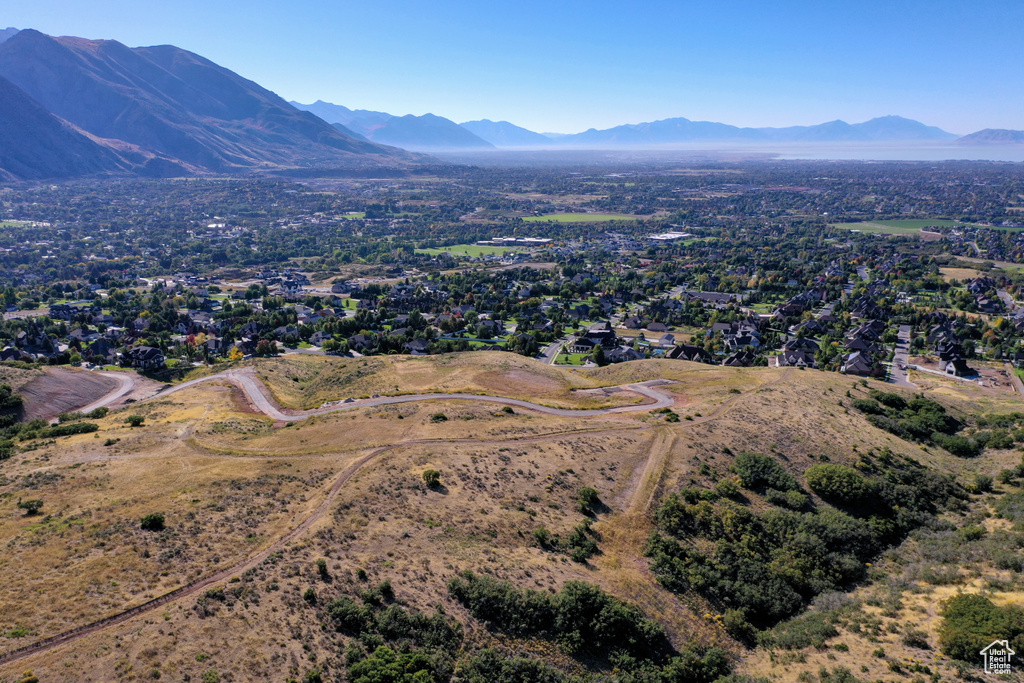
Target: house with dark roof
{"points": [[146, 358], [859, 363]]}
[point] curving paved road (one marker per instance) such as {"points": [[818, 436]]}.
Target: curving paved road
{"points": [[255, 390], [126, 382]]}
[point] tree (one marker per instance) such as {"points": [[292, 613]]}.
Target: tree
{"points": [[135, 420], [154, 521], [587, 498], [599, 357], [265, 347], [431, 478], [235, 354], [31, 507]]}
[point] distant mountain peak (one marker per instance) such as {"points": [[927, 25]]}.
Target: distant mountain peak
{"points": [[425, 133], [7, 33], [175, 104], [993, 136], [505, 134]]}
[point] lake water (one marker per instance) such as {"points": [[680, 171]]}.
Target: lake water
{"points": [[697, 152]]}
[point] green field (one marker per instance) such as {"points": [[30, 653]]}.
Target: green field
{"points": [[466, 250], [579, 218], [353, 215], [1002, 265], [910, 226]]}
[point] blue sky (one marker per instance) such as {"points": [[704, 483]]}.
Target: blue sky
{"points": [[568, 66]]}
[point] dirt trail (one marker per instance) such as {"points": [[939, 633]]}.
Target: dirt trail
{"points": [[200, 584]]}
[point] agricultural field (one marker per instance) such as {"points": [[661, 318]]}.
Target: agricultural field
{"points": [[471, 250], [912, 226]]}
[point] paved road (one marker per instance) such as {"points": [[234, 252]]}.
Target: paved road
{"points": [[550, 352], [901, 358], [126, 382], [862, 271], [257, 393], [1007, 299]]}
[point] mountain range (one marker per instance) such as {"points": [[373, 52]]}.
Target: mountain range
{"points": [[159, 110], [427, 132], [993, 136], [434, 133], [680, 130], [72, 106]]}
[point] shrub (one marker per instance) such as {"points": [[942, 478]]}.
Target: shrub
{"points": [[321, 569], [98, 413], [587, 498], [581, 617], [971, 621], [31, 507], [69, 429], [868, 406], [10, 406], [431, 478], [805, 631], [758, 472], [913, 637], [487, 666], [154, 521], [894, 401], [838, 483], [348, 616], [982, 483], [727, 488], [135, 420], [789, 499], [959, 446], [438, 417], [385, 665]]}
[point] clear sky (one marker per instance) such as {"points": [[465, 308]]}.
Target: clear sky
{"points": [[565, 66]]}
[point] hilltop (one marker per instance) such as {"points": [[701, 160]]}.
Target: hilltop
{"points": [[372, 550]]}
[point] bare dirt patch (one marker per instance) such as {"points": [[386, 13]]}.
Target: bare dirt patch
{"points": [[60, 390]]}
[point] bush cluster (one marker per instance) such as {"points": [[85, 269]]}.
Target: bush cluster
{"points": [[971, 621], [769, 565], [586, 621], [920, 419]]}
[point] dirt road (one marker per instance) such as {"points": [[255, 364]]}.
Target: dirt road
{"points": [[258, 395]]}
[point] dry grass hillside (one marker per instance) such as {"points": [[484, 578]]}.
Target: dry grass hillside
{"points": [[231, 483]]}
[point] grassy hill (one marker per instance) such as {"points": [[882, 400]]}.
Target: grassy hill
{"points": [[525, 502]]}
